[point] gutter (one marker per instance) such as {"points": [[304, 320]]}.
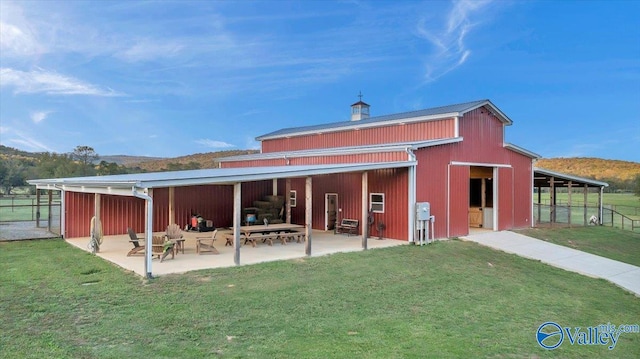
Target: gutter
{"points": [[148, 230]]}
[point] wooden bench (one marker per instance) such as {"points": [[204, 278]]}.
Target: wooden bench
{"points": [[253, 238], [348, 226]]}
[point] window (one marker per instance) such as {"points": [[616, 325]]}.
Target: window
{"points": [[293, 195], [376, 202]]}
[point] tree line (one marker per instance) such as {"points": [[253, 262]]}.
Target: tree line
{"points": [[16, 167]]}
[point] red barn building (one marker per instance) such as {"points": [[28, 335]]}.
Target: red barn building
{"points": [[370, 169], [461, 165]]}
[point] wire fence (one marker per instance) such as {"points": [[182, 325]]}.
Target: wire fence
{"points": [[580, 215], [23, 208]]}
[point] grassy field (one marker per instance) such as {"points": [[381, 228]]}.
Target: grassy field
{"points": [[449, 299], [625, 203], [23, 209], [612, 243]]}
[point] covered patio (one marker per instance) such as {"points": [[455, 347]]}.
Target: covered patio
{"points": [[114, 249]]}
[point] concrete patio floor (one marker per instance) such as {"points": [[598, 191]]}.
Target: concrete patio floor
{"points": [[115, 248]]}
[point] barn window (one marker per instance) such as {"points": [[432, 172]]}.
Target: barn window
{"points": [[376, 202], [293, 196]]}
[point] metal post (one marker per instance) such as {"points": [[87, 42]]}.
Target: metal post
{"points": [[308, 219], [365, 209], [237, 220]]}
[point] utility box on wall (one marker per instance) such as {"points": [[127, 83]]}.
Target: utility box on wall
{"points": [[423, 211]]}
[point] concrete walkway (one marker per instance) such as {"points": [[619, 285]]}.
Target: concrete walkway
{"points": [[624, 275]]}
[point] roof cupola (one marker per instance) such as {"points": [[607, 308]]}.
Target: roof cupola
{"points": [[359, 110]]}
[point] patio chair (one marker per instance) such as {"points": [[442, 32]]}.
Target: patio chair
{"points": [[205, 244], [174, 234], [135, 240], [161, 247]]}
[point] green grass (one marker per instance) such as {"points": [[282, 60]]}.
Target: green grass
{"points": [[448, 299], [24, 209], [625, 203], [613, 243]]}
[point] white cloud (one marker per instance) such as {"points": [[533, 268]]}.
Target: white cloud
{"points": [[50, 83], [146, 50], [213, 144], [29, 143], [17, 37], [4, 129], [448, 40], [39, 116]]}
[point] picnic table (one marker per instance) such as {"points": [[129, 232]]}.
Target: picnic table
{"points": [[267, 233]]}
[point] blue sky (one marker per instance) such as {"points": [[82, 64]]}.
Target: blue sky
{"points": [[171, 78]]}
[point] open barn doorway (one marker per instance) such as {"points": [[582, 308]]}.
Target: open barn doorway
{"points": [[481, 197]]}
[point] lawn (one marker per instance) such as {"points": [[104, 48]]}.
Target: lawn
{"points": [[613, 243], [448, 299]]}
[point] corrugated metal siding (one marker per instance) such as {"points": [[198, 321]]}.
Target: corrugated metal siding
{"points": [[79, 208], [505, 199], [459, 201], [483, 143], [348, 186], [428, 130], [522, 191], [119, 212], [322, 160], [393, 183]]}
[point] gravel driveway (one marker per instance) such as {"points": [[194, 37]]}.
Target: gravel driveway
{"points": [[16, 231]]}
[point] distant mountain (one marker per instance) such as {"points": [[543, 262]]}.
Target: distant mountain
{"points": [[595, 168], [202, 160], [124, 160]]}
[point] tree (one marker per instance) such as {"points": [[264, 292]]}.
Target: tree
{"points": [[637, 189], [12, 174], [110, 168], [86, 156]]}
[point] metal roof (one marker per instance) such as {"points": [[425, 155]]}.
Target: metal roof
{"points": [[115, 184], [521, 150], [385, 147], [420, 115], [542, 178]]}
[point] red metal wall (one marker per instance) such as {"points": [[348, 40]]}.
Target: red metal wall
{"points": [[505, 198], [321, 160], [483, 143], [429, 130], [119, 212], [79, 208], [348, 186], [458, 201]]}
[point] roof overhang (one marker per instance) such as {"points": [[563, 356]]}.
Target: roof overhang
{"points": [[128, 184], [543, 178], [521, 150], [340, 151]]}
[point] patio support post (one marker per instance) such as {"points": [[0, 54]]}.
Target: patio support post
{"points": [[96, 207], [569, 200], [287, 198], [585, 203], [237, 220], [308, 220], [552, 201], [274, 185], [365, 209], [148, 232], [172, 205], [37, 208], [600, 206], [539, 204], [49, 214]]}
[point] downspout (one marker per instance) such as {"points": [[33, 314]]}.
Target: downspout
{"points": [[412, 195], [148, 231]]}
